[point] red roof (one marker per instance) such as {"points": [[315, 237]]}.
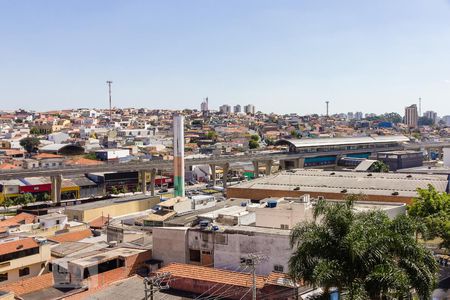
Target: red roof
{"points": [[82, 161], [29, 285], [99, 222], [47, 155], [73, 236], [18, 245], [212, 275], [8, 167], [22, 218]]}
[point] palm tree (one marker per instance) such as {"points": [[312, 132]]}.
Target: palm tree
{"points": [[363, 255]]}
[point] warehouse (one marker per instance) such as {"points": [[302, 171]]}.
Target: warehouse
{"points": [[385, 187]]}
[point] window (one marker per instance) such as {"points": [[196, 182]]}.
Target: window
{"points": [[19, 254], [24, 272], [57, 222], [194, 255], [3, 277], [278, 268], [284, 226], [221, 239], [205, 237]]}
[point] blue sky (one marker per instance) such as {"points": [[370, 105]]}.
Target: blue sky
{"points": [[283, 56]]}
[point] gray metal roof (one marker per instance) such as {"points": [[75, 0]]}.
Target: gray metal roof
{"points": [[314, 142], [354, 182]]}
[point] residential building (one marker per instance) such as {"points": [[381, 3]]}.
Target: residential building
{"points": [[432, 115], [237, 109], [411, 116], [249, 109], [225, 109], [22, 258]]}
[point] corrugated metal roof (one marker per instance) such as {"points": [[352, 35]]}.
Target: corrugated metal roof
{"points": [[346, 141]]}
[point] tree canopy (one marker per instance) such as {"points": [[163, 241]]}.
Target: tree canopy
{"points": [[432, 208], [379, 167], [364, 255], [30, 144]]}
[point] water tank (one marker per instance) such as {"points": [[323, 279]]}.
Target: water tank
{"points": [[447, 157], [272, 203], [204, 224]]}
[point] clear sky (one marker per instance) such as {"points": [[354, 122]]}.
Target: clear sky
{"points": [[283, 56]]}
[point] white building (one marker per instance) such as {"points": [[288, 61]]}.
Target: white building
{"points": [[237, 109], [223, 248], [432, 115]]}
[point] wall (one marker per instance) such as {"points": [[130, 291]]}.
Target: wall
{"points": [[275, 248], [275, 217], [113, 210], [258, 194], [170, 244]]}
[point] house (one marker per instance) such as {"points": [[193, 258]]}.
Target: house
{"points": [[22, 258]]}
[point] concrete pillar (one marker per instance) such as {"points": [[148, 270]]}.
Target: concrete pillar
{"points": [[143, 179], [56, 181], [301, 163], [213, 174], [152, 182], [226, 168], [269, 165], [256, 169]]}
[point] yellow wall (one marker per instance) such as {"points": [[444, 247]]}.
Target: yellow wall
{"points": [[34, 262], [113, 210]]}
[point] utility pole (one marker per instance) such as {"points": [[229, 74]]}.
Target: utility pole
{"points": [[154, 284], [109, 82], [251, 261]]}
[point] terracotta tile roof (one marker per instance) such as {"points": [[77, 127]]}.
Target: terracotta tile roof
{"points": [[8, 167], [29, 285], [22, 218], [18, 245], [47, 155], [99, 222], [212, 275], [82, 161], [73, 236]]}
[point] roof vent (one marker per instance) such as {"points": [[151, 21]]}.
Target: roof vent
{"points": [[370, 174], [297, 188], [395, 194], [332, 173], [344, 191], [19, 247], [409, 176]]}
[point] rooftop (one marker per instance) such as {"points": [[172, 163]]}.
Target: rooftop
{"points": [[314, 180], [73, 236], [212, 275], [108, 202], [309, 142], [17, 245]]}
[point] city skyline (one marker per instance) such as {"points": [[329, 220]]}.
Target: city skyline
{"points": [[282, 57]]}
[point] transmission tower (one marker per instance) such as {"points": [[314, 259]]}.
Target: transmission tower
{"points": [[154, 284]]}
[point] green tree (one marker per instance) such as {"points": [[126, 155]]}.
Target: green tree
{"points": [[364, 255], [432, 209], [379, 167], [212, 135], [24, 199], [7, 203], [254, 137], [30, 144], [91, 156], [252, 144], [114, 190]]}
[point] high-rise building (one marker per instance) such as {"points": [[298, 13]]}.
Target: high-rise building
{"points": [[431, 115], [350, 116], [204, 105], [446, 119], [249, 109], [358, 115], [225, 109], [411, 116], [237, 109]]}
